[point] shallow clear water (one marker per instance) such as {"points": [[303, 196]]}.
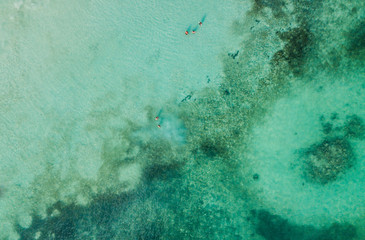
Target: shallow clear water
{"points": [[115, 124]]}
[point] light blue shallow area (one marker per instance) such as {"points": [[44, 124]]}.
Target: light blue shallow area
{"points": [[64, 64]]}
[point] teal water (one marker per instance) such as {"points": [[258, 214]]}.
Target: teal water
{"points": [[260, 129]]}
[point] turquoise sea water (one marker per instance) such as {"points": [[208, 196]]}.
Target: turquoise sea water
{"points": [[116, 125]]}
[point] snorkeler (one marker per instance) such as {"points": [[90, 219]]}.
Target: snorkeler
{"points": [[158, 118]]}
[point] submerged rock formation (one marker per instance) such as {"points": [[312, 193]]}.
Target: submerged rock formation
{"points": [[327, 160]]}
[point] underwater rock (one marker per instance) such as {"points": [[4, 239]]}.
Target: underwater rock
{"points": [[213, 148], [233, 55], [297, 45], [356, 41], [276, 7], [355, 127], [161, 160], [327, 128], [328, 159], [274, 227], [107, 216], [256, 177]]}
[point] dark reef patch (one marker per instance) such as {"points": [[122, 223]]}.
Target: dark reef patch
{"points": [[327, 128], [274, 227], [61, 223], [226, 92], [108, 216], [328, 125], [162, 161], [327, 160], [70, 221], [275, 6], [354, 127], [162, 171], [213, 148], [356, 41], [295, 50]]}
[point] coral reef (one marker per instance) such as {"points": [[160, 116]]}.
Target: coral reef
{"points": [[327, 160], [297, 45], [354, 127], [356, 41], [274, 227]]}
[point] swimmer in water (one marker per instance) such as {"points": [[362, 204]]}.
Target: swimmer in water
{"points": [[158, 118], [202, 20]]}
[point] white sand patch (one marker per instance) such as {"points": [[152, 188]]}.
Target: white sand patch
{"points": [[89, 161], [130, 176]]}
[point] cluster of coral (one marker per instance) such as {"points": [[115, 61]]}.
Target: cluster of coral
{"points": [[326, 160]]}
